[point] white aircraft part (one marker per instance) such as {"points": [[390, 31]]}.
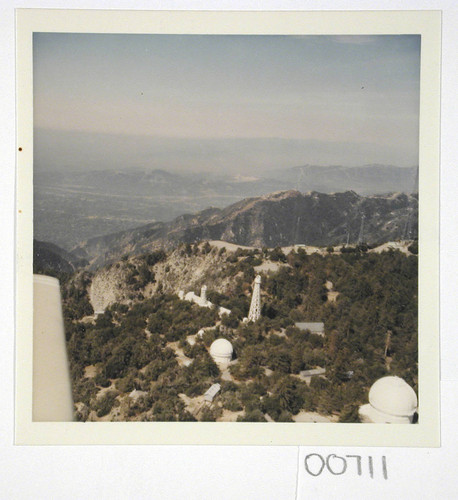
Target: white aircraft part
{"points": [[52, 396]]}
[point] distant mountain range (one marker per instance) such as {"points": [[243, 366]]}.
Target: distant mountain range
{"points": [[368, 179], [276, 219], [71, 207], [365, 180]]}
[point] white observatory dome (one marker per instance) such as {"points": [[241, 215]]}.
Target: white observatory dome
{"points": [[221, 351], [394, 396], [391, 400]]}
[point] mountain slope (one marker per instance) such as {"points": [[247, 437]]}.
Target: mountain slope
{"points": [[49, 257], [74, 206], [277, 219]]}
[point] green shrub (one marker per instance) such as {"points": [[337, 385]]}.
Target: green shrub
{"points": [[413, 248], [253, 416], [104, 404]]}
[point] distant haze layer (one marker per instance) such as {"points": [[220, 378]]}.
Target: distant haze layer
{"points": [[224, 103], [70, 150]]}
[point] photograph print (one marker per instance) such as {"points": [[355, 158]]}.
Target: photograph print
{"points": [[226, 228]]}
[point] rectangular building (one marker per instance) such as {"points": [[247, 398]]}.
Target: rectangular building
{"points": [[314, 327], [212, 392]]}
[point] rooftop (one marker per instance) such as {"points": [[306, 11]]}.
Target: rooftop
{"points": [[312, 326]]}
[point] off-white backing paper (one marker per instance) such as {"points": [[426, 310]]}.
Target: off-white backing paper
{"points": [[425, 23]]}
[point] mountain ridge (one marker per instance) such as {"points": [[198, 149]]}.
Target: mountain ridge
{"points": [[280, 218], [73, 206]]}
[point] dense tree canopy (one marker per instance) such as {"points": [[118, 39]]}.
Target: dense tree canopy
{"points": [[370, 331]]}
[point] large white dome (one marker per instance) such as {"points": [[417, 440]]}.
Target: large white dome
{"points": [[221, 351], [394, 396], [221, 347]]}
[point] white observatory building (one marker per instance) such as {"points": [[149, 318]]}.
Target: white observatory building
{"points": [[192, 297], [391, 401], [202, 300], [221, 351]]}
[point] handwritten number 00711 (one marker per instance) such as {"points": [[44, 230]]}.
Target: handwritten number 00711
{"points": [[338, 465]]}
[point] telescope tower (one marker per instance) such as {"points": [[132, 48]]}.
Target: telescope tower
{"points": [[255, 307]]}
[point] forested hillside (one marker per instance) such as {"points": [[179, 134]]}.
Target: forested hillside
{"points": [[367, 301]]}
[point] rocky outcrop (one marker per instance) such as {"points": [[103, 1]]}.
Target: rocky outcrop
{"points": [[179, 271], [108, 287]]}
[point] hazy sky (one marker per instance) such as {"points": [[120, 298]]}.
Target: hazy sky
{"points": [[224, 102]]}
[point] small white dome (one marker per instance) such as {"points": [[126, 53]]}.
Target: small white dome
{"points": [[394, 396], [221, 347]]}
